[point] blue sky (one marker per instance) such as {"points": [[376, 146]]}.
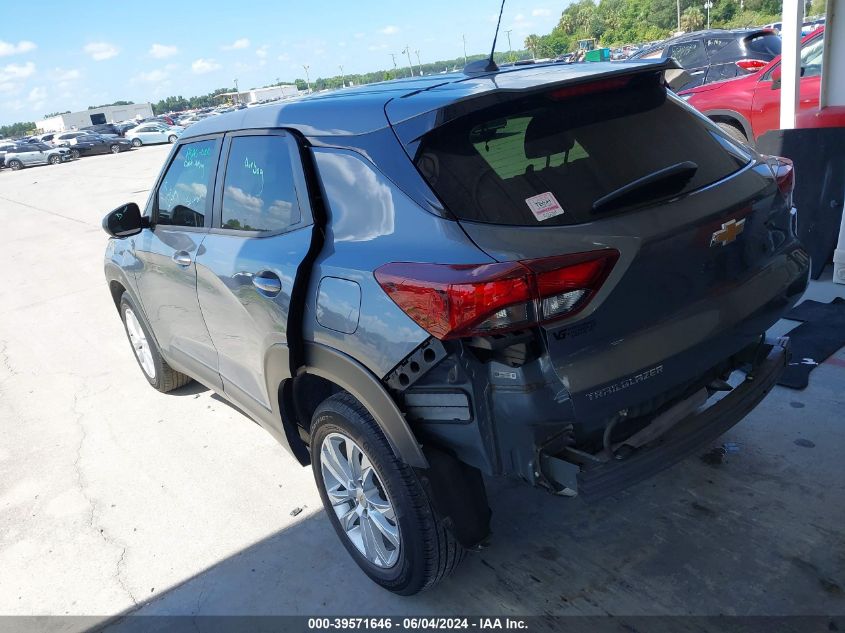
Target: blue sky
{"points": [[79, 54]]}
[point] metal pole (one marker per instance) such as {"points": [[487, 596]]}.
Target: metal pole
{"points": [[407, 51], [342, 78], [793, 16], [307, 78], [464, 38], [419, 63], [679, 14], [510, 50], [708, 5], [237, 96]]}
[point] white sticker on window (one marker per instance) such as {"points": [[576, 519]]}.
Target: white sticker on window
{"points": [[544, 206]]}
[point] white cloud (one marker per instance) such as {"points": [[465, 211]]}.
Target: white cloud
{"points": [[8, 48], [237, 44], [63, 74], [359, 36], [162, 51], [284, 57], [16, 71], [389, 30], [153, 76], [202, 66], [261, 51], [376, 47], [100, 51], [541, 13]]}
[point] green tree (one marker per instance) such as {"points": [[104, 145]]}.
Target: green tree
{"points": [[692, 19], [16, 130]]}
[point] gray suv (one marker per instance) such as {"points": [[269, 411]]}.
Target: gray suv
{"points": [[27, 154], [559, 274]]}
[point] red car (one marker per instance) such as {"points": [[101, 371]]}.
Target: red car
{"points": [[749, 106]]}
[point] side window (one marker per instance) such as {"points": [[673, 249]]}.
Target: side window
{"points": [[259, 192], [688, 54], [811, 58], [655, 54], [183, 194]]}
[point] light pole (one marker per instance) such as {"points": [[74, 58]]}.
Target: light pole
{"points": [[307, 78], [419, 63], [237, 96], [407, 51], [395, 69], [510, 50], [708, 5], [464, 38], [342, 77], [679, 15]]}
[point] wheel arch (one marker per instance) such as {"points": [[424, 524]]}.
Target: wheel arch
{"points": [[734, 118], [326, 371]]}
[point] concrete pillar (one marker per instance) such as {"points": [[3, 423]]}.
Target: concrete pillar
{"points": [[790, 64], [833, 94]]}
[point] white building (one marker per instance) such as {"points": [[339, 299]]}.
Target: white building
{"points": [[260, 94], [97, 116]]}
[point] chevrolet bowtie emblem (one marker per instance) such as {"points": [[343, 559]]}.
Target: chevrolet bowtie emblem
{"points": [[728, 233]]}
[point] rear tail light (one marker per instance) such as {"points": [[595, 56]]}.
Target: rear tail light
{"points": [[784, 173], [457, 300], [751, 65]]}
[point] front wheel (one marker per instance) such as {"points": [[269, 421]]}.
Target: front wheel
{"points": [[136, 142], [74, 153], [15, 165], [376, 504], [115, 149], [171, 139], [54, 160], [156, 370]]}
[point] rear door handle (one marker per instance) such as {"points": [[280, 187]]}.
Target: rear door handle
{"points": [[183, 258], [268, 283]]}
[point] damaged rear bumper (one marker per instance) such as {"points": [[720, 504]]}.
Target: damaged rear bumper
{"points": [[596, 476]]}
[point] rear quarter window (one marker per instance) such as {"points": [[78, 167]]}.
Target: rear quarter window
{"points": [[568, 152], [767, 44]]}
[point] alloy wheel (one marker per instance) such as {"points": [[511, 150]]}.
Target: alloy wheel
{"points": [[139, 343], [359, 500]]}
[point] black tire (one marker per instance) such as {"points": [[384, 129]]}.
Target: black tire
{"points": [[74, 153], [54, 159], [166, 378], [733, 131], [15, 164], [171, 139], [428, 552], [136, 142], [115, 149]]}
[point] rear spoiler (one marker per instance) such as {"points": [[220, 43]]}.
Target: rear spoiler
{"points": [[411, 119]]}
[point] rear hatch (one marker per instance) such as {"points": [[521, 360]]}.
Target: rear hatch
{"points": [[701, 249]]}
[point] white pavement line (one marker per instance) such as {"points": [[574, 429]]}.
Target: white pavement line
{"points": [[58, 215]]}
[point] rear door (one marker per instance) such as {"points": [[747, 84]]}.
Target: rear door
{"points": [[261, 234], [180, 212], [692, 57]]}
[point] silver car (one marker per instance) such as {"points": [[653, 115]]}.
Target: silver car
{"points": [[150, 133], [29, 154]]}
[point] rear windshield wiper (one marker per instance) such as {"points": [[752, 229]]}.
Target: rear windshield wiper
{"points": [[658, 184]]}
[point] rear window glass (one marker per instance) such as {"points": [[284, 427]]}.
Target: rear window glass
{"points": [[768, 44], [545, 160]]}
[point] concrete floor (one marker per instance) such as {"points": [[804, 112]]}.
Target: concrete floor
{"points": [[114, 497]]}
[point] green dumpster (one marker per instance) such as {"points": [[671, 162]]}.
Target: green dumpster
{"points": [[598, 55]]}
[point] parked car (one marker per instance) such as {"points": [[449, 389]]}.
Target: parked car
{"points": [[717, 54], [96, 144], [151, 133], [34, 153], [66, 139], [748, 107], [591, 307], [6, 146]]}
